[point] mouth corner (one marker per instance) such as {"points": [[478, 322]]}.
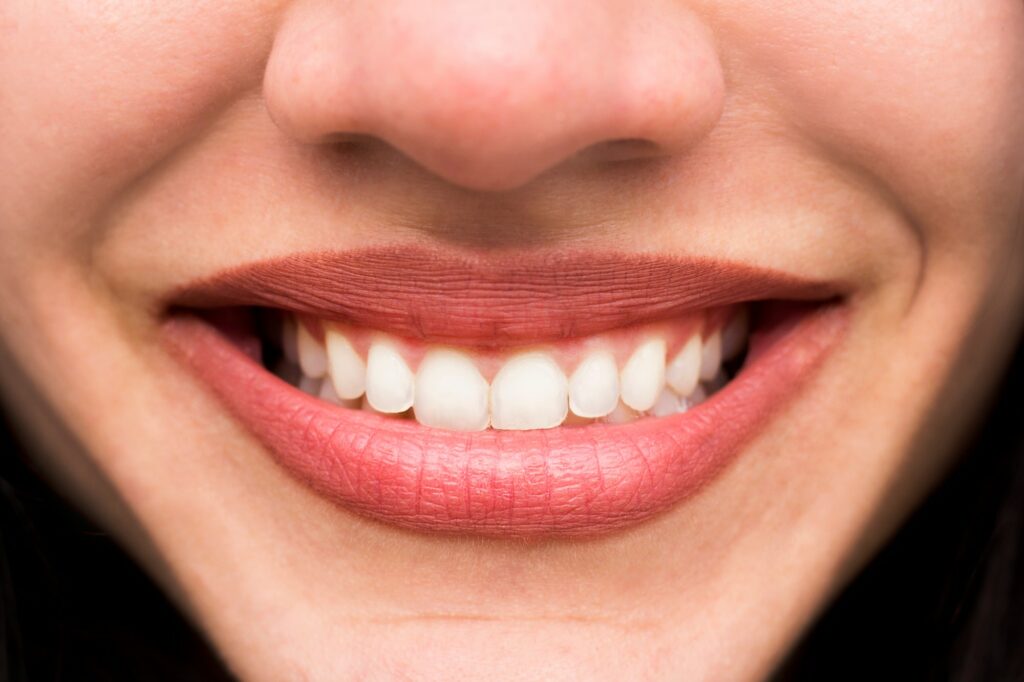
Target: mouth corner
{"points": [[573, 476]]}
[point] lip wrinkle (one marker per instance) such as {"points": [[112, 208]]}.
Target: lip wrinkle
{"points": [[507, 299], [579, 481]]}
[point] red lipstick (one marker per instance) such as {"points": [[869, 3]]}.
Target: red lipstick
{"points": [[556, 482], [504, 300]]}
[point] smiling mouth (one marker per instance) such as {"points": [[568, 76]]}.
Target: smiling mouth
{"points": [[653, 369], [522, 396]]}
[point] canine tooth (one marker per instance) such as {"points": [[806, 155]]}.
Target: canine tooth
{"points": [[310, 385], [312, 356], [450, 392], [622, 414], [711, 356], [348, 373], [594, 386], [734, 336], [683, 373], [529, 392], [666, 404], [389, 381], [643, 376]]}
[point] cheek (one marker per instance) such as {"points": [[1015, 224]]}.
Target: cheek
{"points": [[923, 99], [107, 89]]}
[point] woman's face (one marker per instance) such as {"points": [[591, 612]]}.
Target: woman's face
{"points": [[478, 199]]}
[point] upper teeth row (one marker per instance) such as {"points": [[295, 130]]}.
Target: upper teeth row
{"points": [[529, 391]]}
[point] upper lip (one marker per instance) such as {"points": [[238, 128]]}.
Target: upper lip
{"points": [[492, 300], [535, 482]]}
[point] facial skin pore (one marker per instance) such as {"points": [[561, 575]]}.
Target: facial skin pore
{"points": [[876, 145]]}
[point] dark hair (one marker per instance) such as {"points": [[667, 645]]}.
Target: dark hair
{"points": [[73, 605], [944, 600]]}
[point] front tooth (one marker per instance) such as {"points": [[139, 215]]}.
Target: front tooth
{"points": [[594, 386], [450, 392], [734, 336], [312, 356], [389, 381], [683, 373], [529, 392], [644, 375], [711, 356], [348, 373]]}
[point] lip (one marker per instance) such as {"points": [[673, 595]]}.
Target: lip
{"points": [[576, 481], [493, 300]]}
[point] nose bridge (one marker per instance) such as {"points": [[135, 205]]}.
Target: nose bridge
{"points": [[490, 94]]}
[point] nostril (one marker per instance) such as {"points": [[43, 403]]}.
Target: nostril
{"points": [[490, 99], [342, 139], [624, 149]]}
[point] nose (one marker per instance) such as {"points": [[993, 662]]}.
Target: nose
{"points": [[489, 94]]}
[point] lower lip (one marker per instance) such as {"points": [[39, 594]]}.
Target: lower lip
{"points": [[568, 481]]}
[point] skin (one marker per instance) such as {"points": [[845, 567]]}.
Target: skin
{"points": [[149, 143]]}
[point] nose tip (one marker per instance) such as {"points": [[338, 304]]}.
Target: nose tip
{"points": [[490, 95]]}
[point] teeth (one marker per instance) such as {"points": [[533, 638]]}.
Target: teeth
{"points": [[389, 382], [734, 336], [450, 392], [711, 356], [698, 396], [622, 414], [328, 393], [576, 420], [364, 405], [348, 373], [667, 403], [594, 386], [644, 375], [529, 392], [312, 356], [310, 385], [683, 373]]}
